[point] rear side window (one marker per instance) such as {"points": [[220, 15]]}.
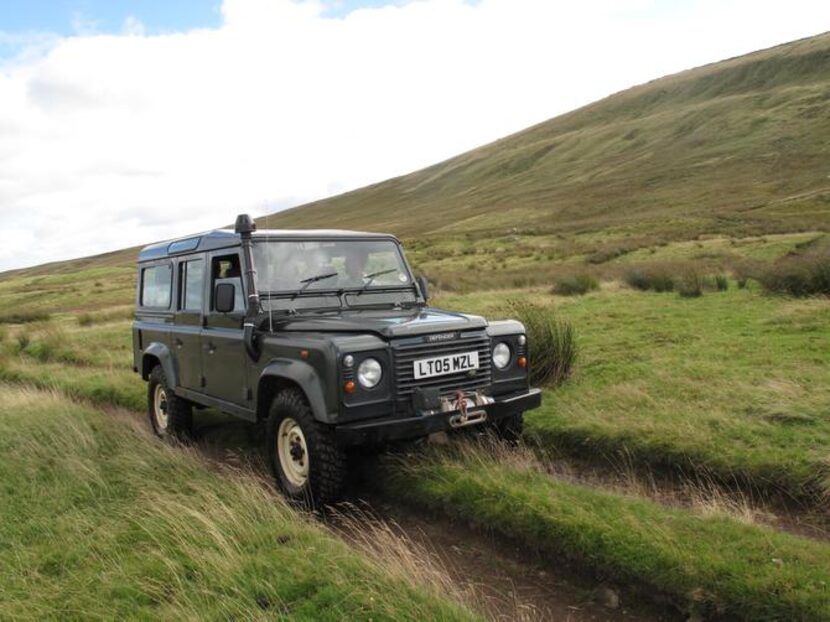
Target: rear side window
{"points": [[156, 284], [192, 279]]}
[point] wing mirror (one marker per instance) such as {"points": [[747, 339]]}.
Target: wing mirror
{"points": [[225, 297], [423, 285]]}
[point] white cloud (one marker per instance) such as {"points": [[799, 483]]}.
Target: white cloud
{"points": [[133, 26], [113, 140]]}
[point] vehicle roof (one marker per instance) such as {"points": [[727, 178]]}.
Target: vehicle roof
{"points": [[227, 238]]}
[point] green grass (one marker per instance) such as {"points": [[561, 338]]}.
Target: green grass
{"points": [[99, 522], [90, 362], [735, 384], [37, 295], [714, 565]]}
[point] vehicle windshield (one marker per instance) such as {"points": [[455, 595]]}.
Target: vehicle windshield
{"points": [[317, 265]]}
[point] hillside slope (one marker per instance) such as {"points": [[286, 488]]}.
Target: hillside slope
{"points": [[735, 148], [739, 146]]}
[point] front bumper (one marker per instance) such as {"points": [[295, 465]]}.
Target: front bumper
{"points": [[377, 432]]}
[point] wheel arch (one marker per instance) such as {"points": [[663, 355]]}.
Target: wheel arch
{"points": [[283, 374], [159, 354]]}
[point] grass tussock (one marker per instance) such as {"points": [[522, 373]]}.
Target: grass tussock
{"points": [[89, 318], [49, 342], [575, 285], [799, 274], [551, 342], [23, 317], [655, 279], [689, 280], [690, 284]]}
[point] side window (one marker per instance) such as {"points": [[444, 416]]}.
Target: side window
{"points": [[227, 269], [156, 283], [191, 279]]}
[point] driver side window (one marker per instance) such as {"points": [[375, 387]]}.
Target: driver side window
{"points": [[227, 269]]}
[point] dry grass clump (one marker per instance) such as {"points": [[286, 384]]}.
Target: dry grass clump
{"points": [[575, 285], [48, 342], [551, 342], [608, 253], [690, 284], [23, 317], [650, 279], [799, 274], [89, 318], [688, 279]]}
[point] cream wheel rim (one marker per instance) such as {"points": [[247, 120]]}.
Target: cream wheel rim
{"points": [[160, 406], [293, 452]]}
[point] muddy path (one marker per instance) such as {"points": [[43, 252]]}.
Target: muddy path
{"points": [[510, 580], [507, 581]]}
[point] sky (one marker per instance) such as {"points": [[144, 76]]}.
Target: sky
{"points": [[123, 122]]}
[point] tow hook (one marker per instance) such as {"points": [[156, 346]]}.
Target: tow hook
{"points": [[468, 418]]}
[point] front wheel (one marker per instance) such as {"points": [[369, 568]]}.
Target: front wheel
{"points": [[307, 463], [510, 428]]}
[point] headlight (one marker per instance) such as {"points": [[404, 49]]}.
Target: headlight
{"points": [[369, 373], [501, 355]]}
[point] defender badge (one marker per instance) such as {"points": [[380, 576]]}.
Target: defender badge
{"points": [[440, 337]]}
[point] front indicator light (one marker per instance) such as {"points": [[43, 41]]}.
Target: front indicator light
{"points": [[349, 387], [522, 362]]}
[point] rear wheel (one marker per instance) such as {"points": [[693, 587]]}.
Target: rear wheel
{"points": [[170, 416], [307, 463]]}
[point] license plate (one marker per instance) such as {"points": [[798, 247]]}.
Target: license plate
{"points": [[447, 364]]}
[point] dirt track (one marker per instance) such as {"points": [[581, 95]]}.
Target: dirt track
{"points": [[508, 581]]}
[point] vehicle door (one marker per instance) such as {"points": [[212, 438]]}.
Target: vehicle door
{"points": [[189, 320], [224, 361], [153, 316]]}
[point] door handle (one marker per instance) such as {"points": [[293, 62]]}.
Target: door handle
{"points": [[211, 348], [179, 342]]}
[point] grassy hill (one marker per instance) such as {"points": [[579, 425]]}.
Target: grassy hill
{"points": [[734, 147]]}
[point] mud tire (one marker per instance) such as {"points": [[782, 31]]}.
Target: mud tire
{"points": [[327, 464]]}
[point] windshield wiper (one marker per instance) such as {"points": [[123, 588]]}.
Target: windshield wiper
{"points": [[371, 278], [310, 280]]}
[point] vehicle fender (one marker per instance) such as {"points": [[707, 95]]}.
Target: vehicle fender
{"points": [[162, 353], [304, 376]]}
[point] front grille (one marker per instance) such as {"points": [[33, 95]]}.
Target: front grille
{"points": [[406, 351]]}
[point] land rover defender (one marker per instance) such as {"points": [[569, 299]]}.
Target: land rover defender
{"points": [[326, 338]]}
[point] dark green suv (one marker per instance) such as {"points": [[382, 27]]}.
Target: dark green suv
{"points": [[327, 338]]}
